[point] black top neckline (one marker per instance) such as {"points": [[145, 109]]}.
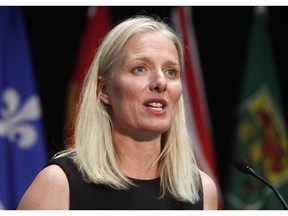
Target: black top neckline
{"points": [[144, 195], [144, 180]]}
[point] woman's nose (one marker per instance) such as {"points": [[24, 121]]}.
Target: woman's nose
{"points": [[158, 82]]}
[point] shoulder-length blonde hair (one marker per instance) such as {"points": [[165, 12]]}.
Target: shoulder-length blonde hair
{"points": [[95, 153]]}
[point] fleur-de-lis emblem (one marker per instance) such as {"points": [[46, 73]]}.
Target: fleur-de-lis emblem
{"points": [[15, 120]]}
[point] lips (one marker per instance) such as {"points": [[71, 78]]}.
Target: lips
{"points": [[156, 104]]}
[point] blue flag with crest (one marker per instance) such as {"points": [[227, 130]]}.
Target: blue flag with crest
{"points": [[22, 141]]}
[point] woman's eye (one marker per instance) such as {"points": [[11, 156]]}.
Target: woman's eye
{"points": [[172, 72], [139, 69]]}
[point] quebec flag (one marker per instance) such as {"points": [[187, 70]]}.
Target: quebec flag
{"points": [[22, 146]]}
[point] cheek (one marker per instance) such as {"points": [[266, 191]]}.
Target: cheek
{"points": [[176, 92], [124, 94]]}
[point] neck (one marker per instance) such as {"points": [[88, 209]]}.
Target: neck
{"points": [[137, 158]]}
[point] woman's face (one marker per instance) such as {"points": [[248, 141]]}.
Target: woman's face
{"points": [[145, 87]]}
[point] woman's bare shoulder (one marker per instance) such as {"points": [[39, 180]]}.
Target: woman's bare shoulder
{"points": [[49, 190], [209, 192]]}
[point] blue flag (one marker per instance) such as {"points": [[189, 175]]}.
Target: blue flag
{"points": [[22, 143]]}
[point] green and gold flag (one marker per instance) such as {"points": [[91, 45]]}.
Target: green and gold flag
{"points": [[261, 135]]}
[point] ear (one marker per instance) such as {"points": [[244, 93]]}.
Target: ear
{"points": [[102, 91]]}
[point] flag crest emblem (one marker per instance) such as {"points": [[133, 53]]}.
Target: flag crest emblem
{"points": [[262, 131]]}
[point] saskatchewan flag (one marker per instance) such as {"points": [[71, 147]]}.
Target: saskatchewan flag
{"points": [[261, 135]]}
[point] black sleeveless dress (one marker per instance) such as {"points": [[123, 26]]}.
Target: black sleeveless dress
{"points": [[144, 196]]}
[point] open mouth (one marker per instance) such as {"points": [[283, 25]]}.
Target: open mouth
{"points": [[156, 106]]}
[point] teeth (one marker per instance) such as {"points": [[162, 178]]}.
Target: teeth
{"points": [[156, 104]]}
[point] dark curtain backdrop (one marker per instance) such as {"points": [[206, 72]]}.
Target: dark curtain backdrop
{"points": [[222, 34]]}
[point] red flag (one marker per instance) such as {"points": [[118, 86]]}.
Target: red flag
{"points": [[98, 24], [194, 94]]}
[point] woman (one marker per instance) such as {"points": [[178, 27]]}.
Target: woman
{"points": [[132, 148]]}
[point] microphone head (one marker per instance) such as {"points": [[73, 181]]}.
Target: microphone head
{"points": [[242, 165]]}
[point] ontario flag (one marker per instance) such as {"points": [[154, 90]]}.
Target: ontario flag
{"points": [[195, 97], [99, 22], [22, 141], [261, 134]]}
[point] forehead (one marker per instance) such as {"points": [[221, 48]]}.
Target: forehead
{"points": [[155, 41]]}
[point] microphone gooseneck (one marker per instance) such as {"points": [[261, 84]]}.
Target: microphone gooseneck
{"points": [[244, 167]]}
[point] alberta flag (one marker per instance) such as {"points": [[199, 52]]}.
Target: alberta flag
{"points": [[22, 147], [261, 135]]}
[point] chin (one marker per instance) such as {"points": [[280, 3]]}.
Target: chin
{"points": [[158, 129], [157, 126]]}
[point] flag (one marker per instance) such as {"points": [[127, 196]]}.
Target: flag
{"points": [[261, 135], [22, 144], [98, 24], [195, 96]]}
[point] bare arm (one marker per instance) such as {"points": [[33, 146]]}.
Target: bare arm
{"points": [[49, 190], [209, 192]]}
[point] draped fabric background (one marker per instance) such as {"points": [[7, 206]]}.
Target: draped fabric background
{"points": [[261, 132], [222, 34], [23, 150]]}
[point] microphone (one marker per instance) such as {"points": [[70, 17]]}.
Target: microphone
{"points": [[244, 167]]}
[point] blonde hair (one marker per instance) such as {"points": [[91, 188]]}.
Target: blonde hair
{"points": [[95, 153]]}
